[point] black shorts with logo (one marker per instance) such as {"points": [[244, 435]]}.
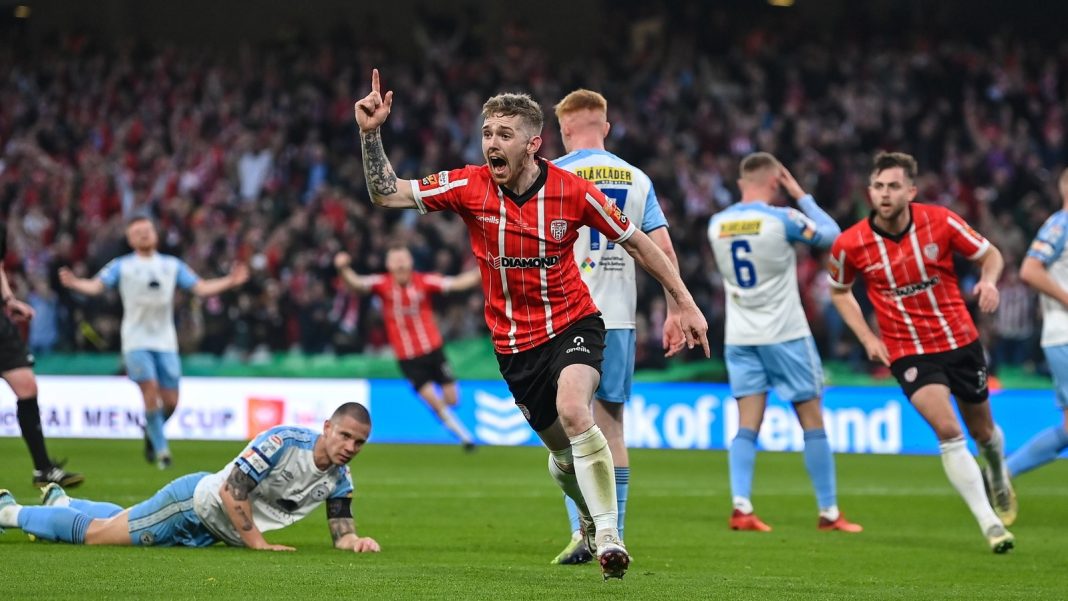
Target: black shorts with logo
{"points": [[431, 367], [13, 351], [532, 375], [963, 370]]}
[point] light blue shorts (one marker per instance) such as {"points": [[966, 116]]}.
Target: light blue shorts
{"points": [[1057, 358], [163, 367], [167, 519], [617, 368], [792, 368]]}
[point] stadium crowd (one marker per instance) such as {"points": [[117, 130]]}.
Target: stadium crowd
{"points": [[252, 155]]}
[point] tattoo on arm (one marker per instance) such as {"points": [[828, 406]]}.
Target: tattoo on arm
{"points": [[239, 484], [339, 527], [381, 180], [246, 523]]}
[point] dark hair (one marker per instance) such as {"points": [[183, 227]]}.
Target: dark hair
{"points": [[354, 410], [889, 160], [522, 105], [758, 161]]}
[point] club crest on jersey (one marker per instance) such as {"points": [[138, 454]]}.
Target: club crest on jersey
{"points": [[931, 251], [558, 227], [910, 374]]}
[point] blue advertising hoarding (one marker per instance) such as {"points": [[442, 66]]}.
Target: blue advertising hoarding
{"points": [[704, 416]]}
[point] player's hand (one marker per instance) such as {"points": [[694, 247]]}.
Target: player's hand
{"points": [[695, 328], [788, 182], [66, 277], [19, 311], [372, 110], [342, 260], [365, 544], [270, 547], [674, 338], [876, 350], [239, 274], [989, 297]]}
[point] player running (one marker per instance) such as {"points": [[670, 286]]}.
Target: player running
{"points": [[768, 343], [523, 215], [904, 252]]}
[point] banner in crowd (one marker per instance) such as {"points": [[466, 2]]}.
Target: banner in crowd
{"points": [[675, 416]]}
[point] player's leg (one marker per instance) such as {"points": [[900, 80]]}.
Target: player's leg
{"points": [[932, 402], [165, 519], [1047, 444], [796, 372], [53, 495], [967, 374], [57, 524], [141, 368], [168, 374], [423, 372], [23, 383], [749, 385]]}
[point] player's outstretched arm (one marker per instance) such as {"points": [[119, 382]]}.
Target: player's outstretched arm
{"points": [[237, 276], [656, 263], [990, 265], [465, 281], [355, 281], [1034, 273], [382, 183], [86, 286], [235, 498], [343, 528], [847, 306]]}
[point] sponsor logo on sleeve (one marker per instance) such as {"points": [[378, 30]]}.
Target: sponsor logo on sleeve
{"points": [[435, 180], [255, 461], [1042, 248]]}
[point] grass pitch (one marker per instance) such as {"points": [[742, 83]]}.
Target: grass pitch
{"points": [[484, 526]]}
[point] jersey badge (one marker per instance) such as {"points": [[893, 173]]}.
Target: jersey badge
{"points": [[558, 227], [931, 251]]}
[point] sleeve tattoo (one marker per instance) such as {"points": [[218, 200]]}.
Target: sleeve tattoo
{"points": [[339, 517], [239, 484], [381, 180]]}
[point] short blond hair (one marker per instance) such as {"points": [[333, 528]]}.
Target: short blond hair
{"points": [[756, 162], [581, 100]]}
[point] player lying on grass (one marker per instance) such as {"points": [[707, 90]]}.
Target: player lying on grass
{"points": [[280, 477]]}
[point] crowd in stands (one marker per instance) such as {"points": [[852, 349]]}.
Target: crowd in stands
{"points": [[250, 154]]}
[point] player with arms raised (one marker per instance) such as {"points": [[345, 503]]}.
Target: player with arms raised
{"points": [[523, 215], [904, 251], [768, 341]]}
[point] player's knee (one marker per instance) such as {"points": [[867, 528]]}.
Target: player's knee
{"points": [[947, 429]]}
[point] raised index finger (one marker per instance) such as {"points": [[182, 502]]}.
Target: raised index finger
{"points": [[375, 86]]}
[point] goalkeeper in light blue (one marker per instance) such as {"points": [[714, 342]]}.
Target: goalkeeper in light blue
{"points": [[279, 478], [768, 344]]}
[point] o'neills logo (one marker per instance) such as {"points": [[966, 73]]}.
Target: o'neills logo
{"points": [[913, 289], [524, 262]]}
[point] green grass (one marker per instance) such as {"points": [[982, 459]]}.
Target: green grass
{"points": [[485, 526]]}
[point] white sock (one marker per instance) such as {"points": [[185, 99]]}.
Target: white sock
{"points": [[448, 419], [963, 473], [743, 504], [831, 513], [9, 516], [562, 469], [597, 477], [993, 451]]}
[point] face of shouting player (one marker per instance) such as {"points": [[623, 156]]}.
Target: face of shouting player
{"points": [[509, 147], [891, 192], [399, 264], [141, 236]]}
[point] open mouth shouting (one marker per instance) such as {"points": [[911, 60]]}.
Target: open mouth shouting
{"points": [[498, 167]]}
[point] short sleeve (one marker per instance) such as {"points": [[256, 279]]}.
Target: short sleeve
{"points": [[603, 215], [963, 239], [799, 228], [442, 190], [434, 283], [109, 274], [839, 270], [344, 487], [378, 284], [186, 277], [1048, 244], [654, 214], [261, 455]]}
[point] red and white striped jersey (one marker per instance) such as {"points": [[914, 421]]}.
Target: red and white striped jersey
{"points": [[406, 310], [910, 278], [532, 286]]}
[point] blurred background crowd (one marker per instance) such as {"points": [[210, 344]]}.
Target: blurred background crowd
{"points": [[249, 153]]}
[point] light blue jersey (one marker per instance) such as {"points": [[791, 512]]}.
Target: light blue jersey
{"points": [[754, 248], [289, 485], [608, 269], [1048, 247], [146, 286]]}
